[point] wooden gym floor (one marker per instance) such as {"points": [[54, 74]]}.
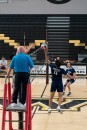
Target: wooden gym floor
{"points": [[74, 108]]}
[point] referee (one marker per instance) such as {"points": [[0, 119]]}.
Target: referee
{"points": [[21, 63]]}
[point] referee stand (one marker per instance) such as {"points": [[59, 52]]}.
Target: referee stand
{"points": [[7, 107]]}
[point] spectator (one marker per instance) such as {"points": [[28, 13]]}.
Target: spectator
{"points": [[3, 63]]}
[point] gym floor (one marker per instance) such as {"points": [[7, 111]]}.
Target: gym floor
{"points": [[74, 107]]}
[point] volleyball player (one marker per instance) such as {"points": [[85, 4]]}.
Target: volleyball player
{"points": [[56, 84], [71, 71]]}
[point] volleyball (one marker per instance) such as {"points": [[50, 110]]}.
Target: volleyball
{"points": [[43, 46]]}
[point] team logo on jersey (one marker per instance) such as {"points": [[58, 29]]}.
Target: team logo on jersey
{"points": [[58, 1]]}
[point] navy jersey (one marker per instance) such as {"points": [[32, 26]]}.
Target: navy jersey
{"points": [[57, 73], [70, 71]]}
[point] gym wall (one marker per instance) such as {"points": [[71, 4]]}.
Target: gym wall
{"points": [[43, 7]]}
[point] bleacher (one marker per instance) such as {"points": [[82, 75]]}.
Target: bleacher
{"points": [[7, 51], [66, 34], [16, 28], [62, 30]]}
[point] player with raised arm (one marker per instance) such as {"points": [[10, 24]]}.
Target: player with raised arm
{"points": [[57, 84]]}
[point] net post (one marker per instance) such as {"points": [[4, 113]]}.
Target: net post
{"points": [[47, 73], [20, 124]]}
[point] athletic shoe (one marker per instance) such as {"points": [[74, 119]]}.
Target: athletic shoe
{"points": [[49, 110], [13, 104], [69, 94], [59, 109]]}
